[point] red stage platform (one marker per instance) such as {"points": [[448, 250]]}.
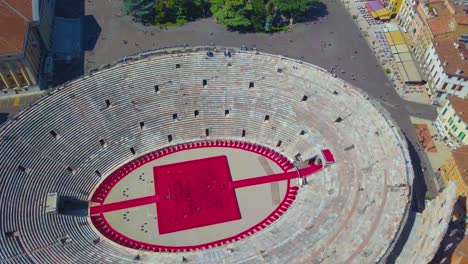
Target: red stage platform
{"points": [[194, 193]]}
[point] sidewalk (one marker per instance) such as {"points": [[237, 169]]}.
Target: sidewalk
{"points": [[378, 44]]}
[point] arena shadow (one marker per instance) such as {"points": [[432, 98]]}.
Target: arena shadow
{"points": [[3, 117], [72, 206], [419, 185], [400, 243], [455, 234], [417, 203]]}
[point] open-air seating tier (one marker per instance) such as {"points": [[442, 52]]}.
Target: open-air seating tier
{"points": [[346, 212]]}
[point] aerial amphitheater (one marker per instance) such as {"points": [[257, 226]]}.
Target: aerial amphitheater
{"points": [[203, 155]]}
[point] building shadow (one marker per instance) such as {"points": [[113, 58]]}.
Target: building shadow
{"points": [[74, 67], [70, 8], [91, 32]]}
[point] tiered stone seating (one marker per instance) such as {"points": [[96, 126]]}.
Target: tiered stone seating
{"points": [[350, 211]]}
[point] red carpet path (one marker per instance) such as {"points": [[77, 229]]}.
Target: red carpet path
{"points": [[234, 184], [123, 204]]}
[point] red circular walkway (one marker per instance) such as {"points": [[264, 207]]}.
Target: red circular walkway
{"points": [[193, 194]]}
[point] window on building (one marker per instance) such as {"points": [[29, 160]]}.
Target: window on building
{"points": [[438, 80], [459, 120], [454, 86], [461, 135], [444, 86], [450, 121], [445, 111], [459, 88], [454, 128]]}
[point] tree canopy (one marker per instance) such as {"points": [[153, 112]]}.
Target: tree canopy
{"points": [[244, 15], [141, 10]]}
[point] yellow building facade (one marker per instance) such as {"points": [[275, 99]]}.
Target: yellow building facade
{"points": [[394, 6], [453, 170]]}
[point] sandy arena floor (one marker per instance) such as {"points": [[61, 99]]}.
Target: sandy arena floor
{"points": [[255, 202]]}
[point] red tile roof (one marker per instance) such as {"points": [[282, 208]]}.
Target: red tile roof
{"points": [[22, 7], [450, 57], [443, 14], [15, 16]]}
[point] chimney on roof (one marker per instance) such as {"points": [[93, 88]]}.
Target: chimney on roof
{"points": [[445, 63], [449, 6], [458, 71], [456, 45]]}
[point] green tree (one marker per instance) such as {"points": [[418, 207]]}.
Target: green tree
{"points": [[258, 16], [176, 11], [235, 14], [298, 10], [194, 9], [166, 11], [140, 10]]}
